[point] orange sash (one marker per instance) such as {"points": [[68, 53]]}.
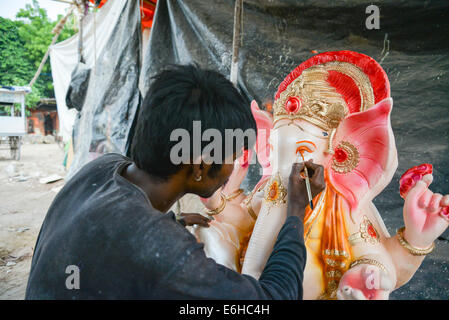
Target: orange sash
{"points": [[335, 249]]}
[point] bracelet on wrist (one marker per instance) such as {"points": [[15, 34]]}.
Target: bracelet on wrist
{"points": [[368, 261], [219, 209], [411, 249]]}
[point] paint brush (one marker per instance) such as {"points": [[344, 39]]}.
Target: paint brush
{"points": [[306, 174]]}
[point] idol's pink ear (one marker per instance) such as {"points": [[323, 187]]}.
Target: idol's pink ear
{"points": [[365, 157], [264, 121]]}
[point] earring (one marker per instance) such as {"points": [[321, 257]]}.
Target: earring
{"points": [[198, 178]]}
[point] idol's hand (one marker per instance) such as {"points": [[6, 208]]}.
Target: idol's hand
{"points": [[364, 282], [425, 214]]}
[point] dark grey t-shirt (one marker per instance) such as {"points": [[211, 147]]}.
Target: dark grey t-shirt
{"points": [[125, 249]]}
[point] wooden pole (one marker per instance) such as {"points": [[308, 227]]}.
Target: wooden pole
{"points": [[57, 31], [236, 40]]}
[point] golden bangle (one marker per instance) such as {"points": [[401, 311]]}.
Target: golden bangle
{"points": [[234, 194], [411, 249], [213, 212], [368, 261]]}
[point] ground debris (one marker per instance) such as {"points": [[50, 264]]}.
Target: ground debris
{"points": [[50, 179], [22, 229], [14, 257], [23, 209]]}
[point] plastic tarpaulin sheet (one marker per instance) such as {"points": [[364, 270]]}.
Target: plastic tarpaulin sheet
{"points": [[112, 96], [97, 29], [412, 46]]}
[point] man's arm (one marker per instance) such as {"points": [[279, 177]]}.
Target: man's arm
{"points": [[194, 276]]}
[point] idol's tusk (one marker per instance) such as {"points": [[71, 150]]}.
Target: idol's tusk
{"points": [[330, 150]]}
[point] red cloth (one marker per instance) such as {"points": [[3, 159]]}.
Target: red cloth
{"points": [[147, 10]]}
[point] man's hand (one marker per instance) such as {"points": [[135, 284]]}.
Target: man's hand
{"points": [[189, 219], [297, 191]]}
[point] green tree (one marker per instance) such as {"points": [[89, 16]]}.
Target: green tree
{"points": [[23, 43], [15, 67]]}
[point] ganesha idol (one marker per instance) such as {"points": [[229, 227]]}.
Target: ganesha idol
{"points": [[334, 109]]}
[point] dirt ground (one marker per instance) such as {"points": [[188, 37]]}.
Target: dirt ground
{"points": [[24, 201]]}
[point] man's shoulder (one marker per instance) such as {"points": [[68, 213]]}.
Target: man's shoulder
{"points": [[108, 158], [99, 167]]}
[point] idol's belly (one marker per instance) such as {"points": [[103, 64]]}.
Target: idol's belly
{"points": [[313, 283], [221, 243]]}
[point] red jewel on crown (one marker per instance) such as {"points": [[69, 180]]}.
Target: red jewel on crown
{"points": [[293, 104]]}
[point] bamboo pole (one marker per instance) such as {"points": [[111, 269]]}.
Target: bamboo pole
{"points": [[236, 40], [56, 31]]}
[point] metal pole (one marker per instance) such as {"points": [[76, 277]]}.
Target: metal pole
{"points": [[236, 40]]}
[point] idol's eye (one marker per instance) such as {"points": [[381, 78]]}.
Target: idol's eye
{"points": [[325, 134]]}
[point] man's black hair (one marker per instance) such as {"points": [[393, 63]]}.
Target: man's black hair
{"points": [[178, 96]]}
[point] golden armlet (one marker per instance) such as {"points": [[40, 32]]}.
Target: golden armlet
{"points": [[368, 261], [234, 194], [367, 234], [411, 249], [213, 212]]}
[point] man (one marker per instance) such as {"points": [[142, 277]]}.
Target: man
{"points": [[48, 124], [108, 226]]}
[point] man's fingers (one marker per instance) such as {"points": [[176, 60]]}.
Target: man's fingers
{"points": [[318, 173], [311, 165], [296, 169], [317, 178], [202, 221], [195, 218]]}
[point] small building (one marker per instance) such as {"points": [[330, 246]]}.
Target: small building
{"points": [[44, 116]]}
